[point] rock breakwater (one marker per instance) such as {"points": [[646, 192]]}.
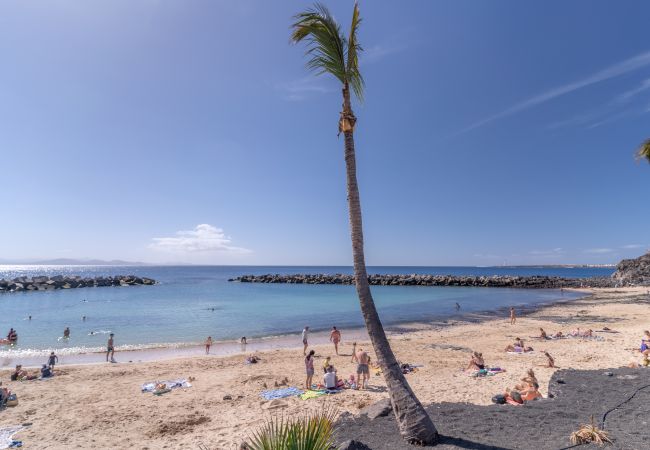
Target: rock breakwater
{"points": [[44, 283], [539, 282]]}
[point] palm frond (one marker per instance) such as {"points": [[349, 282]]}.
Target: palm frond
{"points": [[644, 151], [326, 45], [310, 432], [352, 67]]}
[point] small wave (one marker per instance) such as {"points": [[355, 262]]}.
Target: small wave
{"points": [[93, 333], [33, 352]]}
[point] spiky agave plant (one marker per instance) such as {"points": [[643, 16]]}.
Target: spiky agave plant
{"points": [[643, 151], [314, 431]]}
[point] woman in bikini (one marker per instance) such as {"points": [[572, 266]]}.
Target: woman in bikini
{"points": [[477, 362]]}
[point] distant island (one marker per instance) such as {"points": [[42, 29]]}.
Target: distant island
{"points": [[74, 262]]}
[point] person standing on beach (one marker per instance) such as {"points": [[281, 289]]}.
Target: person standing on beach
{"points": [[110, 348], [354, 352], [309, 368], [363, 368], [513, 316], [305, 336], [208, 344], [335, 337]]}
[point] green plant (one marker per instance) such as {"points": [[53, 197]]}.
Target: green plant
{"points": [[643, 151], [311, 432]]}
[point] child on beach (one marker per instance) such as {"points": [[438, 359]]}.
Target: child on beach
{"points": [[309, 368], [354, 351], [513, 316], [327, 363], [208, 344], [52, 360]]}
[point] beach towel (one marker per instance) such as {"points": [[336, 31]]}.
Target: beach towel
{"points": [[521, 353], [171, 384], [281, 393], [6, 436], [312, 394]]}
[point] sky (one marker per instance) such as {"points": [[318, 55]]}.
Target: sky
{"points": [[190, 131]]}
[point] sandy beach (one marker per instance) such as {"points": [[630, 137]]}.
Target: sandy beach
{"points": [[101, 405]]}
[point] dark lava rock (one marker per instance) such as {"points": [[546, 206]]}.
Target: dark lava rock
{"points": [[633, 271], [353, 445], [380, 409]]}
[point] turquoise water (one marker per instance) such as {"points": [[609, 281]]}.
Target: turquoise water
{"points": [[179, 310]]}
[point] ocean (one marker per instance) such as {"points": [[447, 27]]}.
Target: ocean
{"points": [[191, 302]]}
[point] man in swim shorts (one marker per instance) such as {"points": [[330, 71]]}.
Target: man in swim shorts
{"points": [[110, 348], [335, 337], [362, 368]]}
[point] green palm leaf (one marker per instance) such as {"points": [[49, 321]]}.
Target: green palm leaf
{"points": [[644, 151], [328, 50]]}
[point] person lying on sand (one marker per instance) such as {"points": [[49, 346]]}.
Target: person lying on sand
{"points": [[518, 347], [542, 333], [558, 335], [252, 359], [476, 362], [531, 393]]}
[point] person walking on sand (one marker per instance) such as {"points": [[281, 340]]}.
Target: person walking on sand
{"points": [[305, 336], [363, 369], [354, 352], [110, 348], [309, 368], [513, 316], [208, 344], [52, 360], [335, 337]]}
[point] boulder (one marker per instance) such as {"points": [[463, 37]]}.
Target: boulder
{"points": [[353, 445], [633, 271], [380, 409]]}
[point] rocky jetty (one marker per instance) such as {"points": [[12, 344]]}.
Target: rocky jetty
{"points": [[539, 282], [633, 271], [69, 282]]}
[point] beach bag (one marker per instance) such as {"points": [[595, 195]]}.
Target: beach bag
{"points": [[499, 399], [12, 400]]}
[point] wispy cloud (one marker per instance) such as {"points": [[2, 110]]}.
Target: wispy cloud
{"points": [[612, 71], [552, 252], [599, 250], [633, 246], [304, 88], [378, 52], [203, 238], [627, 95]]}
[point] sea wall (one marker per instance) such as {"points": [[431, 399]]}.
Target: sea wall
{"points": [[69, 282], [544, 282]]}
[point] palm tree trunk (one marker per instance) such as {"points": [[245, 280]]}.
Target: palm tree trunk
{"points": [[414, 423]]}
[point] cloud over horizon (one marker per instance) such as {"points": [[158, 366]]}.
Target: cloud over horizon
{"points": [[203, 238]]}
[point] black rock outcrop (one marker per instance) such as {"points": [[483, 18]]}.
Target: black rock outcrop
{"points": [[633, 271]]}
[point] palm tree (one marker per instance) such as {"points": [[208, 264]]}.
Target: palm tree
{"points": [[330, 52], [644, 151]]}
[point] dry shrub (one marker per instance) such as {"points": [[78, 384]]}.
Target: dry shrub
{"points": [[589, 433]]}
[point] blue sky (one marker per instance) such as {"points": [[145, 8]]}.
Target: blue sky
{"points": [[190, 131]]}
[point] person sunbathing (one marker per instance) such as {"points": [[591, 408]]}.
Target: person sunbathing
{"points": [[518, 347], [645, 341], [476, 362], [531, 393], [542, 334], [527, 381], [252, 359], [558, 335]]}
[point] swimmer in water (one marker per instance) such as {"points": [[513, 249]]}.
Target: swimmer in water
{"points": [[83, 318]]}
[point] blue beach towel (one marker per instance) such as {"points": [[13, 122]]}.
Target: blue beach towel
{"points": [[281, 393]]}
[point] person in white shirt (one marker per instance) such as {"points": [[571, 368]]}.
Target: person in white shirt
{"points": [[305, 335], [329, 379]]}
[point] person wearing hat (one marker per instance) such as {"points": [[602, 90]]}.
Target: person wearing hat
{"points": [[110, 348]]}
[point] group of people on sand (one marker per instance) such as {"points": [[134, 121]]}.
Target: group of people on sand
{"points": [[526, 391], [330, 378]]}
